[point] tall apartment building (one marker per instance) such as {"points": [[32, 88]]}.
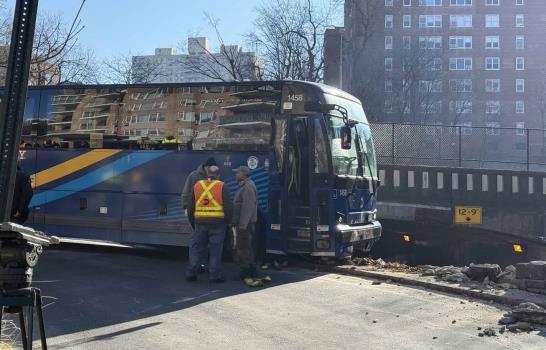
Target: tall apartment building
{"points": [[449, 62], [200, 64]]}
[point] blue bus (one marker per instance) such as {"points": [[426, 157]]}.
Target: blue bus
{"points": [[109, 162]]}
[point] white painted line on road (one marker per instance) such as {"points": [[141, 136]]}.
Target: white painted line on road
{"points": [[382, 177], [425, 180], [411, 179], [469, 182], [396, 178], [440, 180], [500, 183], [531, 185], [515, 184], [485, 183], [454, 181]]}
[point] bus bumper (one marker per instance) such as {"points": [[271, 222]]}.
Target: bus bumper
{"points": [[361, 233]]}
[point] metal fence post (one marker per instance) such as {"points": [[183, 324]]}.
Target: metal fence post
{"points": [[392, 143], [460, 146], [528, 148]]}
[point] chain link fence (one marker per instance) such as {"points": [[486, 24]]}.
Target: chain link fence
{"points": [[460, 146]]}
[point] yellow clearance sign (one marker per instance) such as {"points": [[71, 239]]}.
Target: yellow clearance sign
{"points": [[468, 215]]}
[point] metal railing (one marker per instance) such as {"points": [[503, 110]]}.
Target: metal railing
{"points": [[460, 146]]}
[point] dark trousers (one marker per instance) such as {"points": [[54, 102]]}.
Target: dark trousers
{"points": [[211, 236], [246, 251]]}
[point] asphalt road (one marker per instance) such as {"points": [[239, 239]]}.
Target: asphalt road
{"points": [[98, 298]]}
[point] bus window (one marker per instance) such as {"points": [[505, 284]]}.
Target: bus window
{"points": [[279, 141], [321, 154]]}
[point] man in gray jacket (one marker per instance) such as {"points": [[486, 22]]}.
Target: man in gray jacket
{"points": [[245, 216], [198, 174]]}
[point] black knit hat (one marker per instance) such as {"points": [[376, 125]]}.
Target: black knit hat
{"points": [[210, 162]]}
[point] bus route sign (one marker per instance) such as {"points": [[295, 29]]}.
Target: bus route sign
{"points": [[468, 215]]}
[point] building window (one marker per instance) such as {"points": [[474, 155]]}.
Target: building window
{"points": [[430, 21], [388, 21], [491, 2], [520, 107], [520, 128], [431, 107], [406, 21], [519, 2], [492, 63], [407, 2], [185, 132], [460, 42], [492, 42], [460, 107], [185, 116], [520, 63], [492, 21], [520, 42], [520, 85], [388, 85], [430, 86], [493, 128], [460, 85], [387, 108], [460, 21], [388, 64], [388, 2], [205, 117], [430, 42], [188, 102], [492, 85], [492, 107], [460, 2], [407, 42], [460, 63], [520, 21], [388, 43], [430, 2], [432, 65]]}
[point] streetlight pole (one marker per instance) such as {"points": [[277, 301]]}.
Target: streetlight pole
{"points": [[341, 33]]}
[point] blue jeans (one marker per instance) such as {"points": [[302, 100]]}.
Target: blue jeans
{"points": [[211, 235]]}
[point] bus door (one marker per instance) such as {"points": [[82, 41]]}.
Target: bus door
{"points": [[300, 197], [298, 212]]}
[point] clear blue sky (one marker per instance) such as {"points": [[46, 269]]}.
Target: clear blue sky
{"points": [[118, 26]]}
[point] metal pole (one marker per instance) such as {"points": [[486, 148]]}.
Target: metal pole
{"points": [[460, 146], [528, 146], [341, 32], [392, 143], [11, 114]]}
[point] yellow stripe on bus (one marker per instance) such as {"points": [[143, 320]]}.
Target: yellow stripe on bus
{"points": [[71, 166]]}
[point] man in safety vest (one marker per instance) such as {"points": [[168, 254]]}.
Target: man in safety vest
{"points": [[211, 210], [198, 174]]}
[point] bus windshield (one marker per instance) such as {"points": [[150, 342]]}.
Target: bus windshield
{"points": [[346, 162]]}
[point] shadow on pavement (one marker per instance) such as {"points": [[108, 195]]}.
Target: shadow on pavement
{"points": [[86, 287]]}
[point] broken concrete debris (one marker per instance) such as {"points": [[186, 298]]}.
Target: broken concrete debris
{"points": [[523, 318]]}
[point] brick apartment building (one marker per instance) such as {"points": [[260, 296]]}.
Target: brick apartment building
{"points": [[448, 62]]}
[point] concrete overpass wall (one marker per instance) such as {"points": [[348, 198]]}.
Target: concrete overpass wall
{"points": [[513, 202]]}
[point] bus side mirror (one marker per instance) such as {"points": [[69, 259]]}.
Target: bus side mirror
{"points": [[346, 137]]}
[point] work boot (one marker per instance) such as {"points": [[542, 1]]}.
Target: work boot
{"points": [[251, 282], [265, 266]]}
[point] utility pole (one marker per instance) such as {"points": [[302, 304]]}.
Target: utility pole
{"points": [[13, 103], [341, 36]]}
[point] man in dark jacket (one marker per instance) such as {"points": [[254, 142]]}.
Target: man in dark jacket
{"points": [[211, 210], [198, 174], [245, 216], [22, 194]]}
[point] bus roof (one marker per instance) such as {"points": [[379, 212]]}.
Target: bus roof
{"points": [[326, 89]]}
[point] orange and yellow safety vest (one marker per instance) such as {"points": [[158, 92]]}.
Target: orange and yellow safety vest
{"points": [[208, 199]]}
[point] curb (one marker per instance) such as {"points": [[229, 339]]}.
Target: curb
{"points": [[501, 299]]}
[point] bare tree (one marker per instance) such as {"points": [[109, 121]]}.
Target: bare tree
{"points": [[130, 69], [290, 35], [231, 63], [57, 57]]}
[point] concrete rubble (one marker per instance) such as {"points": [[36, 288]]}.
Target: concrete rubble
{"points": [[525, 317]]}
